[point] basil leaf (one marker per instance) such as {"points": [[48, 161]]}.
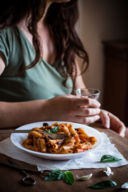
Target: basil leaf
{"points": [[104, 184], [47, 131], [54, 175], [68, 177], [54, 129], [109, 158], [57, 174]]}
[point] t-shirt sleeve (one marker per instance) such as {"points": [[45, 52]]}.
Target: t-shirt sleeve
{"points": [[4, 46]]}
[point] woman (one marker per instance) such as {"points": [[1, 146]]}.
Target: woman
{"points": [[38, 67]]}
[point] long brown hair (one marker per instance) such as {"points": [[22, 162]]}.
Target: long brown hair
{"points": [[61, 19]]}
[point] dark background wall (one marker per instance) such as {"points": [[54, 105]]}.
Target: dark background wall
{"points": [[101, 20]]}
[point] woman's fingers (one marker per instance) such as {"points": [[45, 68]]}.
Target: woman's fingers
{"points": [[93, 103], [93, 119], [117, 125], [111, 121], [105, 118], [74, 102], [86, 120], [83, 111], [73, 108], [122, 130], [87, 102], [126, 133]]}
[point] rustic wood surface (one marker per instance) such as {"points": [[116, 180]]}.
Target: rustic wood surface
{"points": [[10, 177]]}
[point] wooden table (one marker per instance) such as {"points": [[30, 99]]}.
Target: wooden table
{"points": [[9, 177]]}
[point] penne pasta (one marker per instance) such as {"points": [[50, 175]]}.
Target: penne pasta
{"points": [[76, 141]]}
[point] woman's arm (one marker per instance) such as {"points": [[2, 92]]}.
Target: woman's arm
{"points": [[19, 113], [60, 108]]}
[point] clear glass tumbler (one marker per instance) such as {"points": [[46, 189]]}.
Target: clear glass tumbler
{"points": [[88, 92]]}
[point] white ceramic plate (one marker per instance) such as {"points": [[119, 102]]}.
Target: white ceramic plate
{"points": [[17, 139]]}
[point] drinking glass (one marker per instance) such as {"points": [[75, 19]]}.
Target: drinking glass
{"points": [[88, 92]]}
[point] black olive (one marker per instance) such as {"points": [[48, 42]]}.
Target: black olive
{"points": [[45, 124]]}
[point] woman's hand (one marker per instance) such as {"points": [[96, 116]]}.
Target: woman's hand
{"points": [[111, 121], [72, 108]]}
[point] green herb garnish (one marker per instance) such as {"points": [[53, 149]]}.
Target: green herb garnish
{"points": [[54, 129], [104, 184], [68, 177], [57, 174], [54, 175], [109, 158], [47, 131]]}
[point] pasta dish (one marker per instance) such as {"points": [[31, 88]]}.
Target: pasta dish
{"points": [[76, 140]]}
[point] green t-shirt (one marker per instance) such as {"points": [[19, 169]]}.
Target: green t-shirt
{"points": [[43, 81]]}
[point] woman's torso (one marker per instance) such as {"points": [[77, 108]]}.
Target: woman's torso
{"points": [[43, 81]]}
